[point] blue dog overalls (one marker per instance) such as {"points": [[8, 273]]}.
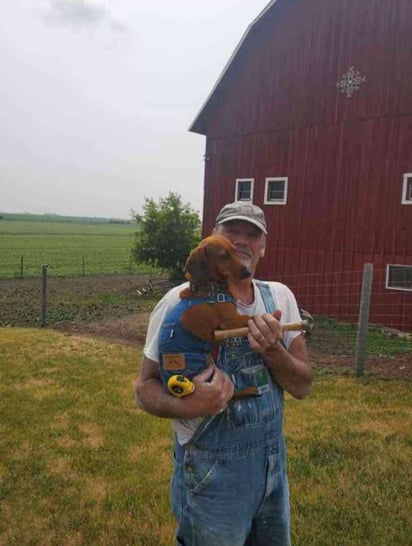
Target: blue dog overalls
{"points": [[229, 486], [180, 352]]}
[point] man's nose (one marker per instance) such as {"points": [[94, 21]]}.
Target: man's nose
{"points": [[240, 239]]}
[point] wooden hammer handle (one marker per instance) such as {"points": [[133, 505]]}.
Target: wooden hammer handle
{"points": [[220, 335]]}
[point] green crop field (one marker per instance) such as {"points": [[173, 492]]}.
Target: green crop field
{"points": [[69, 246]]}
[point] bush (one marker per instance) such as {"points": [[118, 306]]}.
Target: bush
{"points": [[168, 231]]}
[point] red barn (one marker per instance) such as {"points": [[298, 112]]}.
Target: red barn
{"points": [[311, 119]]}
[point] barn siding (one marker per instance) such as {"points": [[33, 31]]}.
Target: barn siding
{"points": [[286, 72], [277, 112], [338, 177], [335, 218]]}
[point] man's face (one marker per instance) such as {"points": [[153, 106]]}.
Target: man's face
{"points": [[248, 240]]}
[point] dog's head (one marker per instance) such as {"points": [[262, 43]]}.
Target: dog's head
{"points": [[214, 261]]}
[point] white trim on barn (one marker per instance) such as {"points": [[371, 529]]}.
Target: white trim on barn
{"points": [[240, 180], [407, 189], [276, 201], [390, 283], [225, 69]]}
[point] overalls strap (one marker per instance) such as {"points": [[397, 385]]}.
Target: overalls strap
{"points": [[269, 300], [267, 296]]}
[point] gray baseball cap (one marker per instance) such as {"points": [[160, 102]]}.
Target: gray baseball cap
{"points": [[239, 210]]}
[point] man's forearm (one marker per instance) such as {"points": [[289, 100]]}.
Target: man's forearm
{"points": [[292, 373], [152, 398]]}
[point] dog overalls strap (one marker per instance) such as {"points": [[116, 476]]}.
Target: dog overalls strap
{"points": [[219, 297]]}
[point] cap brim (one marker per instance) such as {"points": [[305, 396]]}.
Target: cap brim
{"points": [[245, 219]]}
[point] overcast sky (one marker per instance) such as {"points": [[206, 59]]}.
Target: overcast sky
{"points": [[96, 97]]}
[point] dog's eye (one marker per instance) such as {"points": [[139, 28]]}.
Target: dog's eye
{"points": [[225, 255]]}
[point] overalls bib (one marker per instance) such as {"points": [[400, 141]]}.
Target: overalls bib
{"points": [[229, 486]]}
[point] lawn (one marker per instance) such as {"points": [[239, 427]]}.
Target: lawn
{"points": [[81, 464], [67, 247]]}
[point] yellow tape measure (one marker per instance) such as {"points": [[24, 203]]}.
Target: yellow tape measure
{"points": [[180, 386]]}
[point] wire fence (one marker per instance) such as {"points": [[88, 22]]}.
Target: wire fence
{"points": [[68, 261], [341, 336], [77, 301], [338, 294], [356, 325]]}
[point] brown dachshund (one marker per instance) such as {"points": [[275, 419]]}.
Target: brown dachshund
{"points": [[187, 333], [208, 268]]}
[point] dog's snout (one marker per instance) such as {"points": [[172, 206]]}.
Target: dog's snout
{"points": [[245, 273]]}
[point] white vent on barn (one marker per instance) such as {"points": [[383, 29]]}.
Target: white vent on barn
{"points": [[350, 82], [407, 189]]}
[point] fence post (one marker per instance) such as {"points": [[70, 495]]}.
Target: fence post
{"points": [[44, 296], [363, 323], [83, 268], [21, 266]]}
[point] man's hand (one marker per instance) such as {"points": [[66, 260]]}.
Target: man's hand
{"points": [[264, 331], [209, 397], [290, 369]]}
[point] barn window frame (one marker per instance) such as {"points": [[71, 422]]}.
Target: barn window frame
{"points": [[407, 189], [282, 200], [390, 284], [240, 181]]}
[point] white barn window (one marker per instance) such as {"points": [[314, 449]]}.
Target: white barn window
{"points": [[276, 191], [407, 189], [399, 277], [244, 189]]}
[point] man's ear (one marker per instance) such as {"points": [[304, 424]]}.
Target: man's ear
{"points": [[263, 249]]}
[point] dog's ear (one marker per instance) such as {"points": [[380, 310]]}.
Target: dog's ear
{"points": [[197, 266]]}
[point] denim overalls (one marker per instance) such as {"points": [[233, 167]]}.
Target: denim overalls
{"points": [[229, 486]]}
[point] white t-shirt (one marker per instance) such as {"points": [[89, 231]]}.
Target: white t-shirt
{"points": [[282, 296]]}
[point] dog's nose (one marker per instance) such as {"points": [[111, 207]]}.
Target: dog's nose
{"points": [[245, 273]]}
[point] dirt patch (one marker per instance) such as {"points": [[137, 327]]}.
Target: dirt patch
{"points": [[73, 300], [131, 330], [391, 367]]}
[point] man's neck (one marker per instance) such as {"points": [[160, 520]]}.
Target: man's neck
{"points": [[243, 290]]}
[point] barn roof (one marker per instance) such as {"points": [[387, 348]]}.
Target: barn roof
{"points": [[196, 126]]}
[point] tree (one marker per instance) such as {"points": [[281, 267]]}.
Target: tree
{"points": [[167, 233]]}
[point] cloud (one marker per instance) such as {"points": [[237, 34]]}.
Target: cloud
{"points": [[81, 14]]}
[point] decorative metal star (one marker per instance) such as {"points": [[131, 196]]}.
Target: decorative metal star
{"points": [[350, 82]]}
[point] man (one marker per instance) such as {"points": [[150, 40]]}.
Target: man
{"points": [[229, 486]]}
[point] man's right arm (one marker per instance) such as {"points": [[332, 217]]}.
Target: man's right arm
{"points": [[208, 398]]}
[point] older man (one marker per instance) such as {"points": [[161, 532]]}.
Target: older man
{"points": [[229, 486]]}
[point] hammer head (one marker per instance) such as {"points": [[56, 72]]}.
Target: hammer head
{"points": [[308, 322]]}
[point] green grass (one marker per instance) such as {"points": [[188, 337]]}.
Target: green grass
{"points": [[67, 247], [340, 338], [81, 464]]}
